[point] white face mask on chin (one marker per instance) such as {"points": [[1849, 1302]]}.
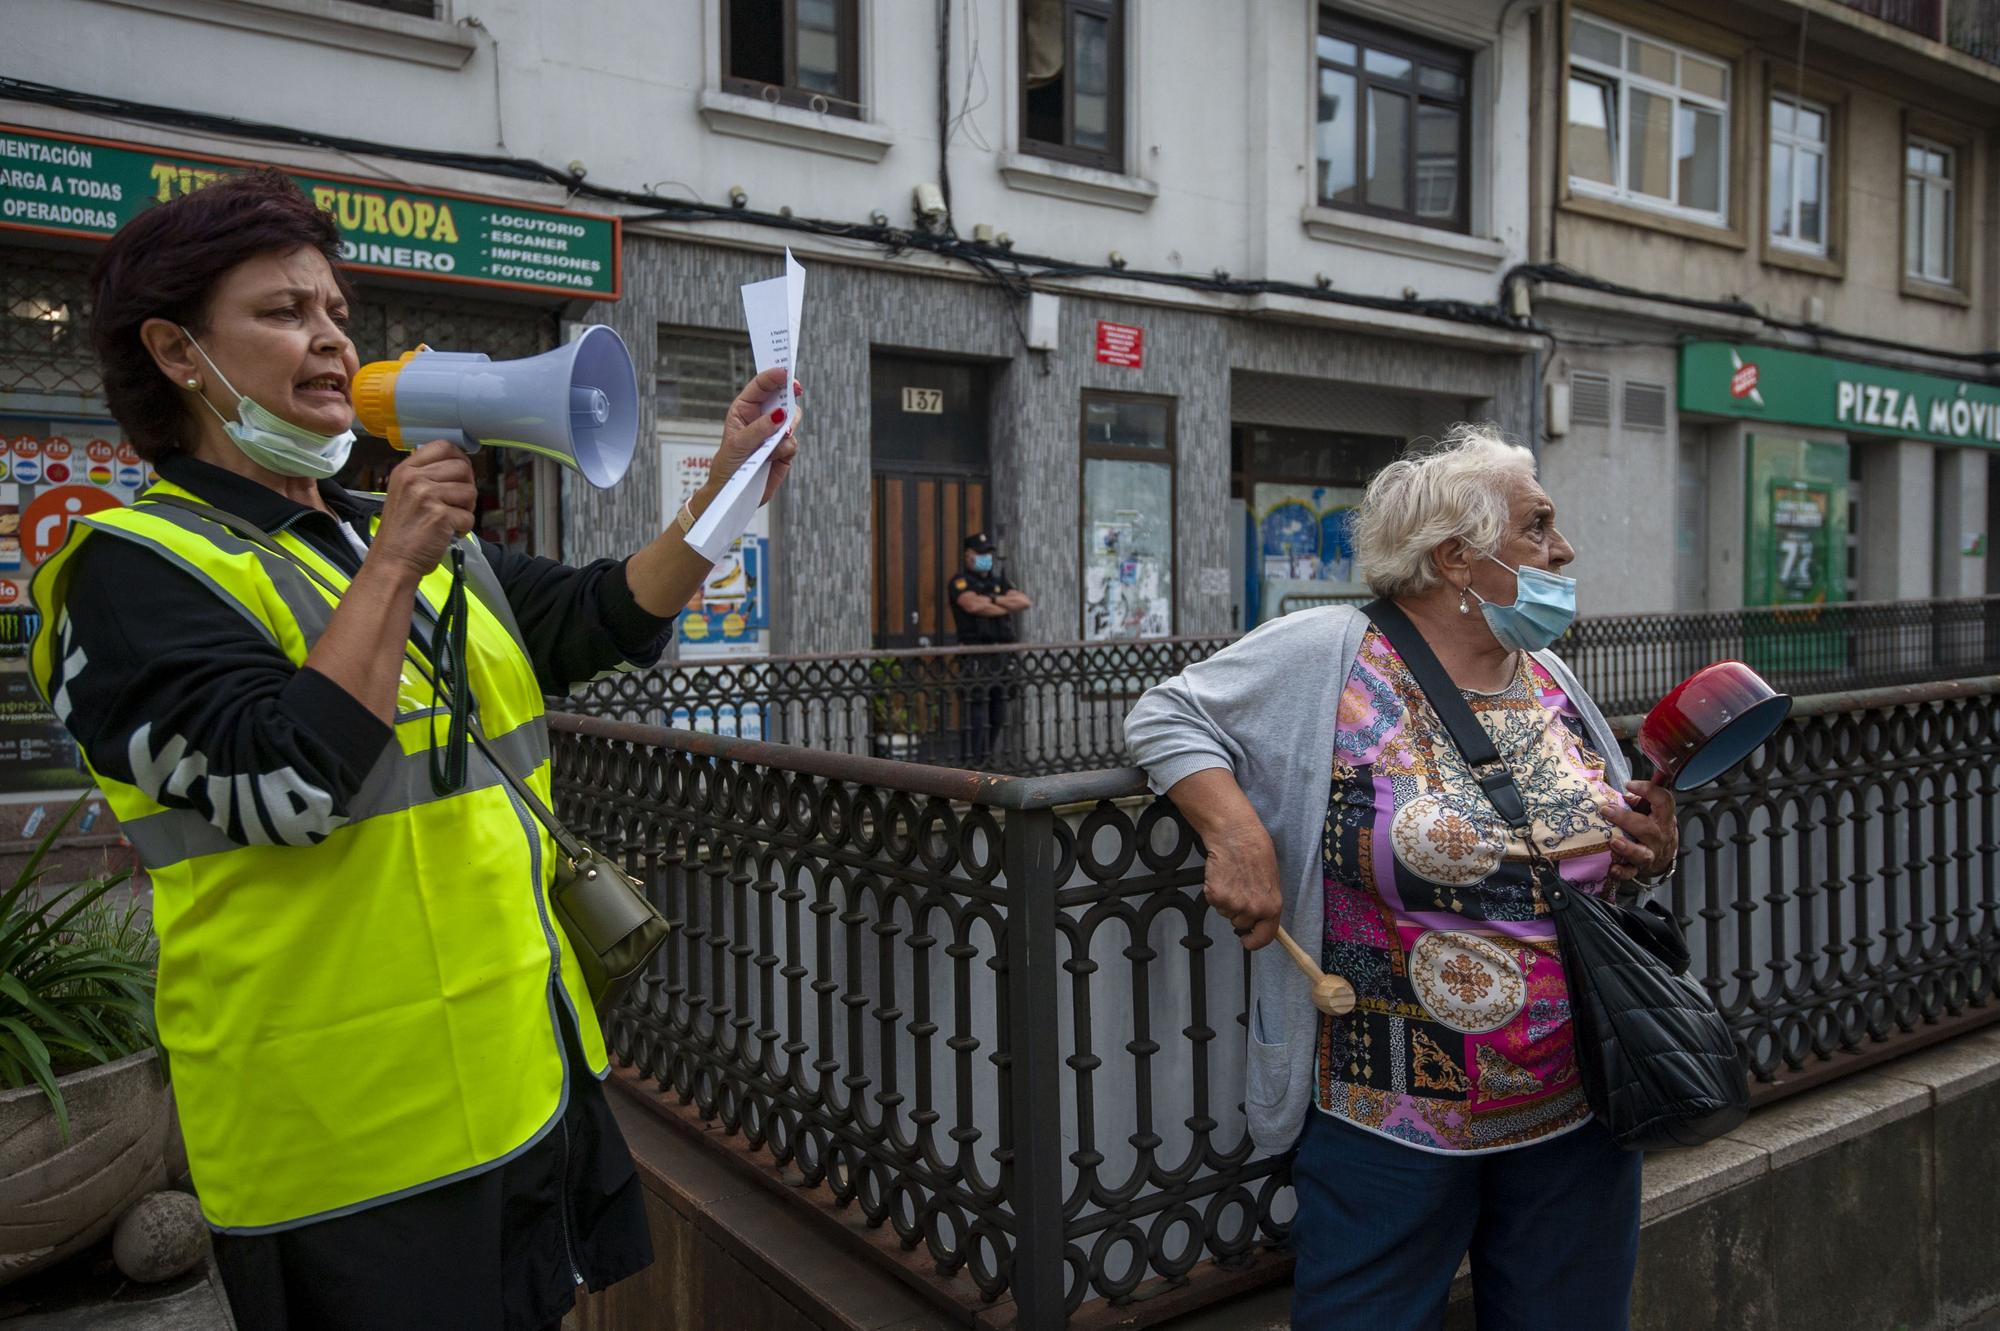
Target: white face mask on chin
{"points": [[271, 441]]}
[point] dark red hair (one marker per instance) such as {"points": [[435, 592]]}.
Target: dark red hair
{"points": [[164, 264]]}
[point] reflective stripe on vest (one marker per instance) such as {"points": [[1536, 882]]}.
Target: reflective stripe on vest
{"points": [[372, 1013]]}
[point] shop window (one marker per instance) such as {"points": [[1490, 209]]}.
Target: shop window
{"points": [[794, 53], [1073, 81], [1930, 226], [698, 375], [1648, 122], [1799, 134], [1128, 516], [45, 323], [1392, 125]]}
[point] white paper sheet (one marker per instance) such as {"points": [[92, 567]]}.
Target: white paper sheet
{"points": [[772, 309]]}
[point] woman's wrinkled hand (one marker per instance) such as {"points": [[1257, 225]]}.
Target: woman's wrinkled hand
{"points": [[1241, 883], [753, 418], [1651, 839]]}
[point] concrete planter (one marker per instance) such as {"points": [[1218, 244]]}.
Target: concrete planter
{"points": [[56, 1199]]}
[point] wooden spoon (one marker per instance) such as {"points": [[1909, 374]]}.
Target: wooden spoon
{"points": [[1331, 994]]}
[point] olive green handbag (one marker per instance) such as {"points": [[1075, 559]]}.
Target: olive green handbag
{"points": [[611, 925]]}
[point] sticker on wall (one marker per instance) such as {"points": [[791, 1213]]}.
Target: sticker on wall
{"points": [[100, 452], [27, 454], [45, 523], [131, 477], [56, 468]]}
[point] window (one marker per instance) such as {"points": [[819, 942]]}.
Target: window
{"points": [[1930, 229], [1073, 81], [794, 52], [1648, 122], [420, 8], [1128, 516], [1799, 133], [1392, 129]]}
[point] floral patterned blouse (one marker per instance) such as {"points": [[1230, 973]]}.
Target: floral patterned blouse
{"points": [[1460, 1039]]}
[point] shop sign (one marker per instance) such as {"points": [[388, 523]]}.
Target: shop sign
{"points": [[1121, 344], [65, 185], [1797, 388]]}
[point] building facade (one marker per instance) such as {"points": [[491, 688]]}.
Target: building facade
{"points": [[1763, 247], [1203, 267]]}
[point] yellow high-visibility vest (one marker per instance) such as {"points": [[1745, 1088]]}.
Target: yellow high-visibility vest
{"points": [[360, 1019]]}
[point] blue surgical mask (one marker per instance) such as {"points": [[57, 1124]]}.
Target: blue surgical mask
{"points": [[271, 441], [1544, 608], [982, 563]]}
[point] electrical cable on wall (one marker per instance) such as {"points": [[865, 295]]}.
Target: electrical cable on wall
{"points": [[1011, 270]]}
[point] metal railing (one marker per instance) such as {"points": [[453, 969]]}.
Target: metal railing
{"points": [[1627, 662], [1923, 17], [991, 1017], [1973, 26], [1060, 707]]}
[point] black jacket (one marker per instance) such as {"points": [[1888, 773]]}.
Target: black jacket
{"points": [[147, 652]]}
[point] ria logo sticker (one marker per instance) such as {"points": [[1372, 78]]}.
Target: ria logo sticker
{"points": [[1743, 378]]}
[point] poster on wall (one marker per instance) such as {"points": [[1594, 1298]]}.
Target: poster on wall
{"points": [[1299, 533], [731, 615], [53, 470], [1796, 553], [1128, 550]]}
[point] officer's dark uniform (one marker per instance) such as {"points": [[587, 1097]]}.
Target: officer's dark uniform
{"points": [[988, 676]]}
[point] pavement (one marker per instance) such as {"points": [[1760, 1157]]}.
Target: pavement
{"points": [[87, 1293]]}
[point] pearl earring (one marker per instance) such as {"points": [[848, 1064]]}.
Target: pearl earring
{"points": [[1463, 607], [194, 383]]}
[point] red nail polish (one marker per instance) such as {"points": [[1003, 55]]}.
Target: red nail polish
{"points": [[798, 389], [778, 416]]}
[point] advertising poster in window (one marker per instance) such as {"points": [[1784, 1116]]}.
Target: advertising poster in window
{"points": [[1300, 533], [53, 470], [1128, 568], [1797, 552], [730, 616]]}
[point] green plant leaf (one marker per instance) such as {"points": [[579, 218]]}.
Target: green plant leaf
{"points": [[41, 1011], [30, 1050]]}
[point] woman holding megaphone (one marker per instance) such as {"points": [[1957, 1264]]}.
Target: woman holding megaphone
{"points": [[383, 1050]]}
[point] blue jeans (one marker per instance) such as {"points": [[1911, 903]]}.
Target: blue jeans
{"points": [[1553, 1230]]}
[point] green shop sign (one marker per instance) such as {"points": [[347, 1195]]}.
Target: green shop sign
{"points": [[1794, 387], [65, 185]]}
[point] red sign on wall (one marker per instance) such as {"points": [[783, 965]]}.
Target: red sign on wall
{"points": [[1121, 344]]}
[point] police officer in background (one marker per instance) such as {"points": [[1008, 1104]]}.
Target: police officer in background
{"points": [[983, 606]]}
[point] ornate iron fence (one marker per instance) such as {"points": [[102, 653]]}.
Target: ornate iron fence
{"points": [[1038, 709], [985, 1022]]}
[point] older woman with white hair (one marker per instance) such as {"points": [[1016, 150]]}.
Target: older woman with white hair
{"points": [[1444, 1114]]}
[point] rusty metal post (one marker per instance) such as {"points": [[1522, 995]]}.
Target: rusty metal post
{"points": [[1034, 1139]]}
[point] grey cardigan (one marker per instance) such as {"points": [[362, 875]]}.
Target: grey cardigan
{"points": [[1265, 707]]}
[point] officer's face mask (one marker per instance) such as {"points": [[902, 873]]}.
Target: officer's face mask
{"points": [[1544, 608], [982, 563], [271, 441]]}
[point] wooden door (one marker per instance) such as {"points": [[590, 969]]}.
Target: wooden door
{"points": [[920, 522]]}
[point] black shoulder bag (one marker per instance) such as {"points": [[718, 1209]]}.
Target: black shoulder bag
{"points": [[612, 927], [1658, 1062]]}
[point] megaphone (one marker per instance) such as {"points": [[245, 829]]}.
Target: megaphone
{"points": [[578, 404]]}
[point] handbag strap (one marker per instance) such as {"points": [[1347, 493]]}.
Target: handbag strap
{"points": [[1452, 710], [565, 840]]}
